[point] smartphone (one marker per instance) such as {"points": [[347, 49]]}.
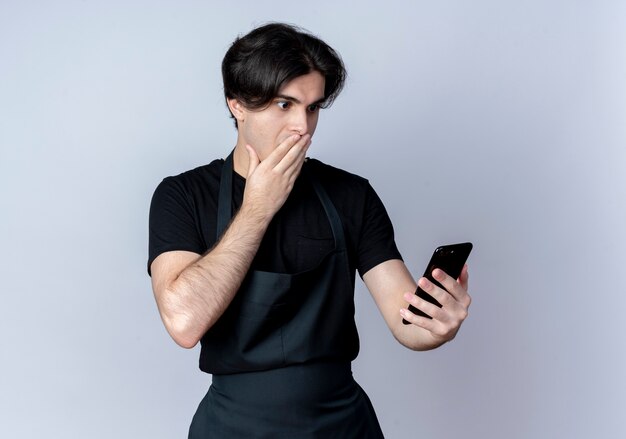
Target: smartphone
{"points": [[449, 258]]}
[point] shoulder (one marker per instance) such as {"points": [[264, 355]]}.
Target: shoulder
{"points": [[329, 171], [188, 181], [334, 178], [351, 194], [190, 190]]}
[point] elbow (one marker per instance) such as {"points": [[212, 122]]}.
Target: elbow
{"points": [[417, 339], [410, 344], [416, 347], [183, 341], [181, 331], [178, 320]]}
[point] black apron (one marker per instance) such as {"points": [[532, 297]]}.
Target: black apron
{"points": [[280, 354]]}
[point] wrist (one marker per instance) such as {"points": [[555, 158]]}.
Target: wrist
{"points": [[256, 214]]}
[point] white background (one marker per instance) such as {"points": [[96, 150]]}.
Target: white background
{"points": [[499, 122]]}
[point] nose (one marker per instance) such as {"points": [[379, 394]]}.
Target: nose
{"points": [[300, 122]]}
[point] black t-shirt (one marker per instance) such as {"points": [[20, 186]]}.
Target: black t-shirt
{"points": [[183, 216]]}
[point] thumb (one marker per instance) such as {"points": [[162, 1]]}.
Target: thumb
{"points": [[464, 277], [253, 159]]}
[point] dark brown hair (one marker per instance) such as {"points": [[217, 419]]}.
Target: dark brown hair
{"points": [[258, 64]]}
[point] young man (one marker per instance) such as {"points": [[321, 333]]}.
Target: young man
{"points": [[255, 257]]}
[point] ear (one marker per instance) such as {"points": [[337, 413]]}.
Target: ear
{"points": [[236, 108]]}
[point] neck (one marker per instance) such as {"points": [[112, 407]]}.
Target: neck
{"points": [[241, 160]]}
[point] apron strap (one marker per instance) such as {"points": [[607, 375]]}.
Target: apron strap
{"points": [[329, 208], [224, 203]]}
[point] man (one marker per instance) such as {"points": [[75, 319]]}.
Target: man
{"points": [[255, 256]]}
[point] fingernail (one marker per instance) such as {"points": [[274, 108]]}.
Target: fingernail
{"points": [[438, 274], [407, 296]]}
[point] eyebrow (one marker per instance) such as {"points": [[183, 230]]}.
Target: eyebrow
{"points": [[297, 101]]}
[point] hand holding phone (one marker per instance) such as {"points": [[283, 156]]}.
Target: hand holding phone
{"points": [[450, 259]]}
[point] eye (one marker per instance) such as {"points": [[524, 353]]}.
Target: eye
{"points": [[283, 105], [313, 108]]}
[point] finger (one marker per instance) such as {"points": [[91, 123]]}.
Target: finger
{"points": [[422, 322], [425, 306], [464, 277], [253, 159], [294, 170], [438, 293], [452, 286], [440, 329], [293, 158], [455, 294], [281, 150]]}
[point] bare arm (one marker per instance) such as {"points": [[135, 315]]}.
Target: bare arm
{"points": [[393, 287], [193, 291]]}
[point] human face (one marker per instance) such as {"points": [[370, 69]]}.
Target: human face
{"points": [[294, 111]]}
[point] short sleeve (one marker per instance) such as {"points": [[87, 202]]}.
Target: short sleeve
{"points": [[376, 243], [172, 224]]}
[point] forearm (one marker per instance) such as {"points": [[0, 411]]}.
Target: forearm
{"points": [[192, 302], [193, 291], [387, 282]]}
